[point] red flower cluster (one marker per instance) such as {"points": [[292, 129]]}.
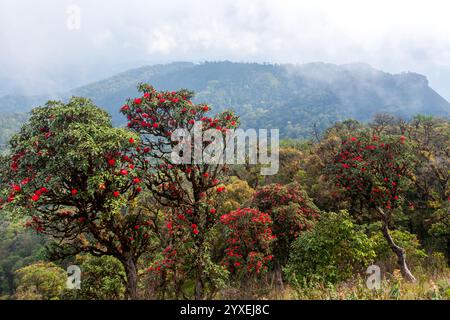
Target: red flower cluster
{"points": [[249, 236], [151, 110], [371, 166], [290, 210]]}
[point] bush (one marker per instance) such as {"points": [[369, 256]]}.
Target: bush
{"points": [[238, 194], [103, 278], [41, 281], [249, 236], [292, 212], [333, 250]]}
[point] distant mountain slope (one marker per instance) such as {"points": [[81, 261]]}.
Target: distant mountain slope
{"points": [[9, 124], [290, 97]]}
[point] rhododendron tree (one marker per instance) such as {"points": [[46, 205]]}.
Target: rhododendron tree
{"points": [[73, 173], [375, 168], [188, 189], [292, 212], [249, 237]]}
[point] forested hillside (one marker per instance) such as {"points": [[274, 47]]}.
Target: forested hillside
{"points": [[10, 123], [75, 190], [294, 98]]}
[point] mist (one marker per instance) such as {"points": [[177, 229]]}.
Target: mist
{"points": [[41, 51]]}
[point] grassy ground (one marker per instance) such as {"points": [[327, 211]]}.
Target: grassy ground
{"points": [[428, 286], [393, 287]]}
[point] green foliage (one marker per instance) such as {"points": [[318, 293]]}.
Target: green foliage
{"points": [[237, 194], [18, 247], [333, 250], [80, 181], [102, 278], [72, 173], [41, 281], [388, 260]]}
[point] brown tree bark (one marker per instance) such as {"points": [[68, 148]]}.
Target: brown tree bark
{"points": [[199, 285], [279, 277], [131, 286], [400, 252]]}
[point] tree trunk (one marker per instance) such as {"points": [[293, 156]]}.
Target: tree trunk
{"points": [[131, 287], [279, 277], [199, 284], [401, 255]]}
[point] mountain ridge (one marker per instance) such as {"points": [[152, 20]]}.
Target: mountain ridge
{"points": [[286, 96]]}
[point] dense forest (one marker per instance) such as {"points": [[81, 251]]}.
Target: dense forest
{"points": [[76, 190], [294, 98]]}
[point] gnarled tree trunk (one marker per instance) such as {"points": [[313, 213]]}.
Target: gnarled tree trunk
{"points": [[400, 252], [131, 271]]}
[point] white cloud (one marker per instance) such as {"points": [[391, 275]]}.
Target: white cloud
{"points": [[392, 35]]}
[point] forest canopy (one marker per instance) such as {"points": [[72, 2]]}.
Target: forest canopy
{"points": [[74, 190]]}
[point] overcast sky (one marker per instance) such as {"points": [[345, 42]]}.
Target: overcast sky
{"points": [[40, 42]]}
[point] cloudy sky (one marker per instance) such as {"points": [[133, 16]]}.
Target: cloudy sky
{"points": [[51, 45]]}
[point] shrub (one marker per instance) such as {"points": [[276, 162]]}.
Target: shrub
{"points": [[248, 237], [333, 250], [237, 194], [292, 212], [102, 278], [41, 281]]}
